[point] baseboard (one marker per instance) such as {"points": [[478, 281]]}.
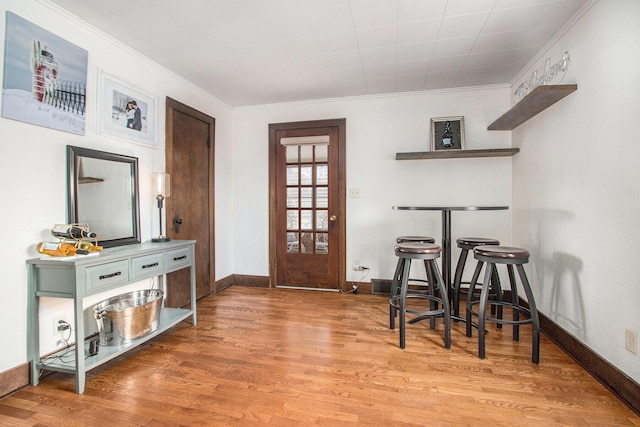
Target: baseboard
{"points": [[616, 381], [223, 284], [254, 281], [14, 379]]}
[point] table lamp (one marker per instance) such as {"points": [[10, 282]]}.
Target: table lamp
{"points": [[162, 189]]}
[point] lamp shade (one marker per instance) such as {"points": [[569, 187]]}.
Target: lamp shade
{"points": [[161, 184]]}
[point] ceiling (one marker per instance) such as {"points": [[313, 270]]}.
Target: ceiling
{"points": [[251, 52]]}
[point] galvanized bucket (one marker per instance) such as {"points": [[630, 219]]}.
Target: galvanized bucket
{"points": [[126, 317]]}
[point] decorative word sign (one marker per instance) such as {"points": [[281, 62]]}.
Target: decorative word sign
{"points": [[550, 71]]}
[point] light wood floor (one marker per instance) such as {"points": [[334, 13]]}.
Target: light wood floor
{"points": [[299, 358]]}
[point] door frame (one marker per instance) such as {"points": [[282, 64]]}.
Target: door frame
{"points": [[342, 188], [171, 106]]}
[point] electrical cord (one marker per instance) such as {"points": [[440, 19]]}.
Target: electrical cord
{"points": [[354, 290]]}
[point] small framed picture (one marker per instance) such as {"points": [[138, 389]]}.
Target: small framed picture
{"points": [[447, 133], [125, 111]]}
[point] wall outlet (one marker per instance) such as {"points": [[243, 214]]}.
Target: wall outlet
{"points": [[356, 266], [631, 341], [56, 324]]}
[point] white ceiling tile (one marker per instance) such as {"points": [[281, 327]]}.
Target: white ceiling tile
{"points": [[378, 55], [462, 25], [268, 8], [374, 13], [412, 67], [419, 31], [294, 25], [377, 36], [348, 73], [337, 42], [463, 7], [500, 58], [531, 37], [410, 82], [265, 51], [306, 46], [319, 4], [343, 59], [379, 70], [415, 51], [414, 10], [454, 47], [330, 19], [447, 63]]}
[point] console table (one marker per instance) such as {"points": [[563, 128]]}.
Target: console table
{"points": [[81, 276]]}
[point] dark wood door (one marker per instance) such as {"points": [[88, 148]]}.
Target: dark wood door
{"points": [[189, 158], [307, 238]]}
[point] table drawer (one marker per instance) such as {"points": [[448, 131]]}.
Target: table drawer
{"points": [[143, 267], [105, 276], [177, 259]]}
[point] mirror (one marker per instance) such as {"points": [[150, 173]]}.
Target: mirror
{"points": [[102, 191]]}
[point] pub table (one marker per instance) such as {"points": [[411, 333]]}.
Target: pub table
{"points": [[446, 231]]}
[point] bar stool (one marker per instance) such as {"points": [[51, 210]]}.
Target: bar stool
{"points": [[493, 255], [421, 283], [467, 244], [398, 303]]}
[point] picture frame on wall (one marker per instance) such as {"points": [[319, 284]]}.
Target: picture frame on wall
{"points": [[45, 78], [126, 112], [447, 133]]}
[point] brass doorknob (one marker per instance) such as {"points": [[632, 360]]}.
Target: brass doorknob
{"points": [[332, 218]]}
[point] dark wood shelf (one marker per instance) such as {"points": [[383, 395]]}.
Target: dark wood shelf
{"points": [[457, 154], [536, 101]]}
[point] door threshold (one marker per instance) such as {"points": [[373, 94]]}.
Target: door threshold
{"points": [[303, 288]]}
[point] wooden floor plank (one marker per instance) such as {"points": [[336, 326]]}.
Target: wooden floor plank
{"points": [[281, 357]]}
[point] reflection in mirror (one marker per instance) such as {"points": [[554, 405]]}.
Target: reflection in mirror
{"points": [[103, 193]]}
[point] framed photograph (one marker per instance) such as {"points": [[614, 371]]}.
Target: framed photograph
{"points": [[447, 133], [126, 112], [45, 78]]}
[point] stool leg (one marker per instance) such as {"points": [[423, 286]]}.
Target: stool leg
{"points": [[482, 308], [535, 321], [445, 305], [457, 281], [497, 290], [515, 302], [431, 280], [403, 299], [472, 288], [394, 291]]}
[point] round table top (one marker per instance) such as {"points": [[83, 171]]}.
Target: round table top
{"points": [[450, 208]]}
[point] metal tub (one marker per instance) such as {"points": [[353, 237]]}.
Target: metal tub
{"points": [[126, 317]]}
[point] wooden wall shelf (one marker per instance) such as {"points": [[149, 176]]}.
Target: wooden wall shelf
{"points": [[537, 100], [457, 154]]}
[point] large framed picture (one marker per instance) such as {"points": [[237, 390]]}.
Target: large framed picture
{"points": [[447, 133], [126, 112], [45, 78]]}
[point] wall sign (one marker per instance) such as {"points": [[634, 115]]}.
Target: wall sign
{"points": [[550, 72]]}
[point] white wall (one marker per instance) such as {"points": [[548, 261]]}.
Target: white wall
{"points": [[33, 170], [576, 191], [377, 128]]}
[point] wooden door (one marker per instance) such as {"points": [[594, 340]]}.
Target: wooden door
{"points": [[307, 243], [190, 208]]}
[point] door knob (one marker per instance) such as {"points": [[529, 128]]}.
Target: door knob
{"points": [[332, 218], [177, 221]]}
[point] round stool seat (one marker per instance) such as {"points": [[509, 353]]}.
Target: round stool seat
{"points": [[502, 253], [415, 239], [472, 242], [417, 249]]}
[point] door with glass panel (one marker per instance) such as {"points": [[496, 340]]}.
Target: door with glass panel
{"points": [[308, 215]]}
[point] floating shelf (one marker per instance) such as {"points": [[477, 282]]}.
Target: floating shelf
{"points": [[457, 154], [539, 99]]}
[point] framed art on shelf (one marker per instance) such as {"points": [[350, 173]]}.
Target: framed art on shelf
{"points": [[126, 112], [447, 133]]}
